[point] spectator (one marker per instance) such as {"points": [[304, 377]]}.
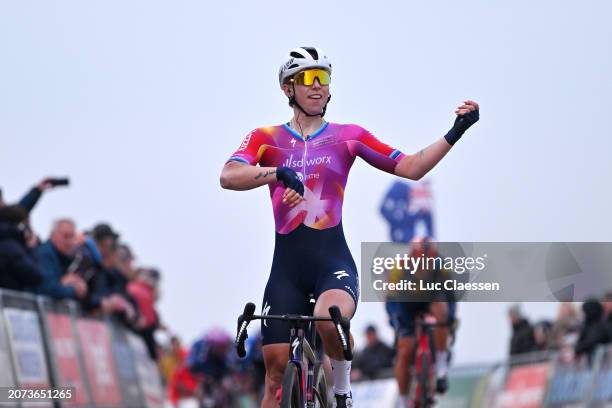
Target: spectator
{"points": [[171, 359], [55, 257], [18, 267], [124, 270], [375, 357], [522, 340], [595, 330], [183, 388], [98, 248], [565, 327], [212, 357], [120, 273], [542, 335], [144, 290]]}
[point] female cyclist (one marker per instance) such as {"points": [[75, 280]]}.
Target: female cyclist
{"points": [[305, 163]]}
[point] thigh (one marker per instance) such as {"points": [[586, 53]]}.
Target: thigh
{"points": [[282, 296], [403, 317], [338, 274]]}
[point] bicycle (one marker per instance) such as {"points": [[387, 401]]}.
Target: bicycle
{"points": [[304, 383], [425, 360]]}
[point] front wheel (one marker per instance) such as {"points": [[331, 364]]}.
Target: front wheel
{"points": [[291, 396], [320, 388], [424, 395]]}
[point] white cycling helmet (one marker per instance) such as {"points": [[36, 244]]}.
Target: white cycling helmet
{"points": [[302, 58]]}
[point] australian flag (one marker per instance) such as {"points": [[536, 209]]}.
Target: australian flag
{"points": [[408, 210]]}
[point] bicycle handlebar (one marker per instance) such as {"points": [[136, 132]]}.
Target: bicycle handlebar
{"points": [[243, 322], [341, 324]]}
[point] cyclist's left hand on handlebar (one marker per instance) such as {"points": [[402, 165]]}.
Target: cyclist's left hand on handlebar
{"points": [[291, 197]]}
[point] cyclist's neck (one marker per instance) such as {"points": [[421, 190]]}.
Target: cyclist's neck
{"points": [[306, 125]]}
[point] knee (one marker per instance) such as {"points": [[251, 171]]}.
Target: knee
{"points": [[325, 329]]}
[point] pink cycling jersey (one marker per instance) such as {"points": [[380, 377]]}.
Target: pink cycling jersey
{"points": [[322, 161]]}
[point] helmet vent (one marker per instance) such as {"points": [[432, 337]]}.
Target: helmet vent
{"points": [[296, 54], [313, 52], [293, 66]]}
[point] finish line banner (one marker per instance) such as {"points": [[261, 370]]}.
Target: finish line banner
{"points": [[485, 271]]}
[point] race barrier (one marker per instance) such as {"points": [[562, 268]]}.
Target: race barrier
{"points": [[532, 380], [46, 343]]}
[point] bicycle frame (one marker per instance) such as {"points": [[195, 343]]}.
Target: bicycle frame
{"points": [[301, 354], [304, 357]]}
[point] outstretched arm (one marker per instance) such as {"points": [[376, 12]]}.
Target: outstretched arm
{"points": [[417, 165]]}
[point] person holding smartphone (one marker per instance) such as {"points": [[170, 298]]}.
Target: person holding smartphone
{"points": [[305, 163]]}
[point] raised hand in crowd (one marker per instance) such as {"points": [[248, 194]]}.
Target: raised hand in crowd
{"points": [[45, 184]]}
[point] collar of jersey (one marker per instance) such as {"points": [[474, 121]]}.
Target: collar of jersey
{"points": [[312, 136]]}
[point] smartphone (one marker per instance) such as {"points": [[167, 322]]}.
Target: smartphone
{"points": [[59, 181]]}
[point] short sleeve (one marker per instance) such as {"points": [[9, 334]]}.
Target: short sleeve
{"points": [[249, 151], [373, 151]]}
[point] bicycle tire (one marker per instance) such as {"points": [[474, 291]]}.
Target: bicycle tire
{"points": [[425, 380], [320, 387], [291, 396]]}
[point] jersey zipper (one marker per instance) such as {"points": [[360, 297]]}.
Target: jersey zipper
{"points": [[304, 160]]}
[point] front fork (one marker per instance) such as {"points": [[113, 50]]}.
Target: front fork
{"points": [[306, 371]]}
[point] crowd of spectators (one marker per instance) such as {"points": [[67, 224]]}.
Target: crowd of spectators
{"points": [[575, 333], [97, 269], [210, 374], [93, 267]]}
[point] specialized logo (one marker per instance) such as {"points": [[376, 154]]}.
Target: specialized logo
{"points": [[293, 162], [295, 345], [292, 142], [288, 64], [340, 274], [264, 312], [246, 141]]}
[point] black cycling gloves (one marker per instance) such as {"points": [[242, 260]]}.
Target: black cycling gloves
{"points": [[462, 123], [290, 179]]}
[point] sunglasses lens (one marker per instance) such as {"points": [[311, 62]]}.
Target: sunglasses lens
{"points": [[307, 77]]}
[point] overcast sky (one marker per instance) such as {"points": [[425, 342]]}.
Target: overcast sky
{"points": [[140, 103]]}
